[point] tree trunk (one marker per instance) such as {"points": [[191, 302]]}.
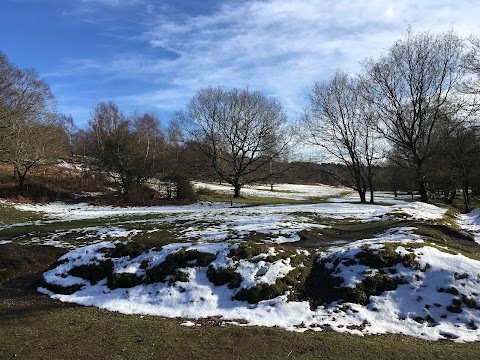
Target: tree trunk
{"points": [[466, 199], [450, 196], [423, 190], [21, 180], [363, 197], [370, 186], [236, 190]]}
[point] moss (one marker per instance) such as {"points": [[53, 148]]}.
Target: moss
{"points": [[462, 276], [322, 286], [375, 285], [296, 279], [223, 276], [386, 257], [247, 251], [180, 259], [93, 272], [63, 290], [452, 290], [180, 276], [260, 292], [130, 249], [123, 280], [470, 302], [454, 309]]}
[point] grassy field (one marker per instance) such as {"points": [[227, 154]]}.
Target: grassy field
{"points": [[33, 326]]}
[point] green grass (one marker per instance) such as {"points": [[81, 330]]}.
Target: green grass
{"points": [[33, 326], [256, 201], [75, 232], [9, 215], [48, 329]]}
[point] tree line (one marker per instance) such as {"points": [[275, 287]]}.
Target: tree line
{"points": [[407, 120], [413, 109]]}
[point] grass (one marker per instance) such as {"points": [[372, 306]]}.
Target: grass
{"points": [[76, 232], [43, 329], [9, 215], [33, 326], [344, 230], [256, 201]]}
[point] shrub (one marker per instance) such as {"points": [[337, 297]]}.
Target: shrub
{"points": [[247, 251], [130, 249], [93, 272], [178, 186], [386, 257], [222, 276], [123, 280], [260, 292], [177, 260]]}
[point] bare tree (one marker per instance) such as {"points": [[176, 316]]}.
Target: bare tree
{"points": [[107, 118], [458, 159], [411, 87], [30, 134], [240, 132], [129, 149], [341, 123], [151, 143]]}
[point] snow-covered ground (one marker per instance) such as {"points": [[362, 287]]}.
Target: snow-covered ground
{"points": [[471, 223], [282, 191], [434, 301], [220, 221], [430, 301]]}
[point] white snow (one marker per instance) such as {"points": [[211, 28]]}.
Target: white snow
{"points": [[220, 221], [217, 227], [471, 223], [282, 191], [417, 308]]}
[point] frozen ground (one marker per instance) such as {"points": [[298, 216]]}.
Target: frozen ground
{"points": [[282, 191], [220, 221], [426, 303], [434, 301]]}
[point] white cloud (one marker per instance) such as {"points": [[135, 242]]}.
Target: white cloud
{"points": [[278, 46]]}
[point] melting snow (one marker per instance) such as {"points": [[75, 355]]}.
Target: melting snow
{"points": [[420, 307]]}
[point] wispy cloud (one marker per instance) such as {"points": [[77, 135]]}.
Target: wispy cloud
{"points": [[277, 46]]}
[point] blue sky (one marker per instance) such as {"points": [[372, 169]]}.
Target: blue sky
{"points": [[149, 55]]}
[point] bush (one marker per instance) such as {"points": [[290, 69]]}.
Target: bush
{"points": [[260, 292], [178, 186], [123, 280], [221, 277], [177, 260], [93, 272]]}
